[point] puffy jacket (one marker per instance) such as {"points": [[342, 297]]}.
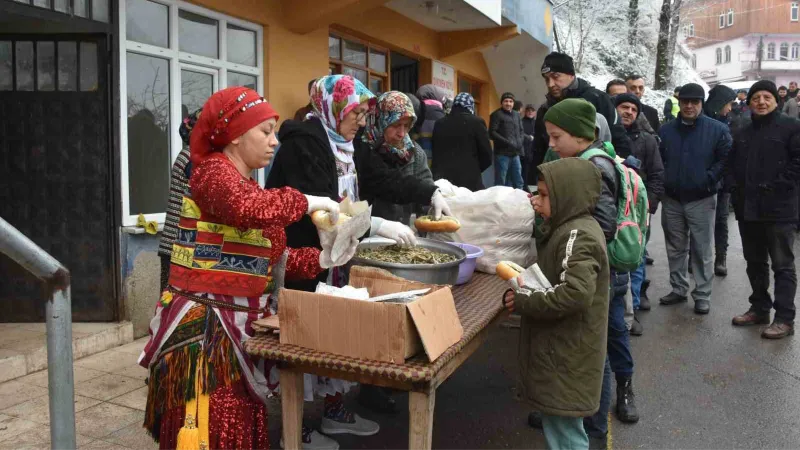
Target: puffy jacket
{"points": [[563, 330], [505, 129], [694, 157], [461, 149], [602, 103], [645, 149], [764, 169]]}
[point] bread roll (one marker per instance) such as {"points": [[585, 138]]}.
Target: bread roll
{"points": [[428, 224], [508, 270], [322, 220]]}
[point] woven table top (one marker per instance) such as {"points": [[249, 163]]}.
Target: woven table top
{"points": [[477, 302]]}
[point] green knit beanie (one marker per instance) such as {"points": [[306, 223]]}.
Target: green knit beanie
{"points": [[576, 116]]}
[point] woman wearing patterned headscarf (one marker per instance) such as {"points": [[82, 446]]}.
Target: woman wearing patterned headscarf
{"points": [[318, 157], [387, 135], [461, 148], [203, 389]]}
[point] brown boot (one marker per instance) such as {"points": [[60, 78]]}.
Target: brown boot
{"points": [[751, 318], [778, 330]]}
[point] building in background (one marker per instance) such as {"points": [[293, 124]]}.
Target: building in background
{"points": [[92, 93], [739, 40]]}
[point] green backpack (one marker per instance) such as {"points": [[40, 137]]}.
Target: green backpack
{"points": [[625, 252]]}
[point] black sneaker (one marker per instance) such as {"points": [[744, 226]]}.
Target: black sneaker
{"points": [[535, 420], [649, 261], [673, 299], [596, 443], [702, 306], [636, 327]]}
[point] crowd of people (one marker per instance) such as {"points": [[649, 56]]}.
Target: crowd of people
{"points": [[229, 245]]}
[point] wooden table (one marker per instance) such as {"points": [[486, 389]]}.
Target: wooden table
{"points": [[479, 306]]}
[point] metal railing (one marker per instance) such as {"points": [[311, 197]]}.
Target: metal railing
{"points": [[61, 387]]}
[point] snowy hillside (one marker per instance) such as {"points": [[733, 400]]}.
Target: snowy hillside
{"points": [[595, 34]]}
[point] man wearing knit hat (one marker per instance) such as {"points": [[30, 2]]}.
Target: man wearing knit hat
{"points": [[558, 73], [570, 125], [651, 169], [694, 148], [505, 129], [763, 175]]}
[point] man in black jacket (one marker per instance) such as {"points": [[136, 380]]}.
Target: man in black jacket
{"points": [[635, 85], [651, 169], [763, 174], [461, 148], [558, 72], [505, 129], [694, 148]]}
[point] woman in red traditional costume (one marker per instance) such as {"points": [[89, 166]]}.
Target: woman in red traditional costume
{"points": [[203, 390]]}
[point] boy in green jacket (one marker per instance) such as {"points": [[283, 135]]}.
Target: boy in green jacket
{"points": [[564, 328]]}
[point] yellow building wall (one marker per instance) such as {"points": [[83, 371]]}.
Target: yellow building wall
{"points": [[291, 59]]}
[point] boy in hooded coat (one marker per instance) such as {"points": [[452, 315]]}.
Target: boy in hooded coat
{"points": [[564, 328]]}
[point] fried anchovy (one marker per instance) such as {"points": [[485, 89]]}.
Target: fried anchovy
{"points": [[405, 255]]}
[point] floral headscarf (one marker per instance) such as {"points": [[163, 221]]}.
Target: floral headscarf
{"points": [[465, 100], [332, 98], [391, 107]]}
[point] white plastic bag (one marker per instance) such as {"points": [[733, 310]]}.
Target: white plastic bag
{"points": [[499, 220]]}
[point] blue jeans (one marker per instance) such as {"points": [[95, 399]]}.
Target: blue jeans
{"points": [[508, 171], [620, 359], [564, 433], [637, 278]]}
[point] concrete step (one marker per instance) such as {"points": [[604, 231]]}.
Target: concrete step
{"points": [[23, 346]]}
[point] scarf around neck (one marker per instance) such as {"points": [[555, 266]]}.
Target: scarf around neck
{"points": [[390, 108]]}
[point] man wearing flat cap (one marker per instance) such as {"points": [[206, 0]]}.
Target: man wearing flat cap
{"points": [[694, 148]]}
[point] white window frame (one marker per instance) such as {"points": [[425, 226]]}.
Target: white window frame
{"points": [[794, 12], [718, 55], [795, 51], [730, 17], [727, 53], [722, 20], [770, 49], [219, 67], [781, 57]]}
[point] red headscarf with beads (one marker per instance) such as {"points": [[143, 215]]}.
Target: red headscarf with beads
{"points": [[227, 115]]}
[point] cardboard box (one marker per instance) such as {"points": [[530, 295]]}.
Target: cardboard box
{"points": [[388, 332]]}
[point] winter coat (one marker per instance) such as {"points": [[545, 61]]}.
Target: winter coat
{"points": [[791, 108], [652, 117], [306, 162], [764, 169], [461, 149], [563, 331], [602, 103], [417, 168], [645, 149], [694, 157], [505, 129], [432, 111]]}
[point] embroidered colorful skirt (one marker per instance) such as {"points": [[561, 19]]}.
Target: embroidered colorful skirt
{"points": [[201, 383]]}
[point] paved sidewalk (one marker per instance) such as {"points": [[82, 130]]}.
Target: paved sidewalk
{"points": [[110, 397]]}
